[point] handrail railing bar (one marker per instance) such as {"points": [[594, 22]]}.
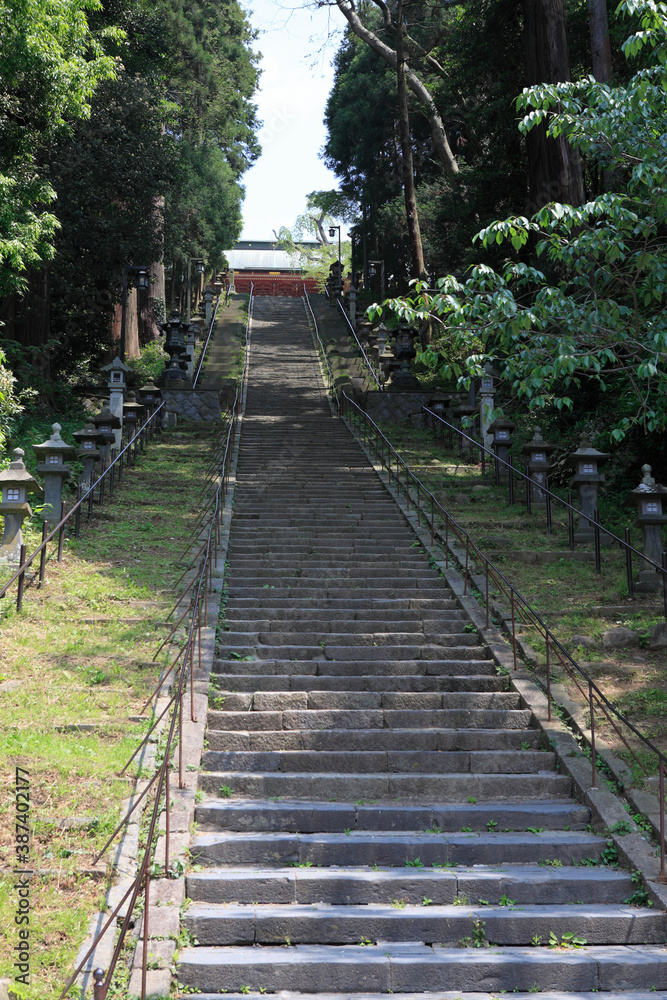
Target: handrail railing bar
{"points": [[205, 347], [575, 510], [517, 595], [323, 354], [359, 345]]}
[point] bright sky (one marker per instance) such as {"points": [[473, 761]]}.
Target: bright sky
{"points": [[294, 86]]}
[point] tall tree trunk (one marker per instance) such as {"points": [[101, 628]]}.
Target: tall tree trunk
{"points": [[416, 85], [407, 170], [600, 44], [554, 166]]}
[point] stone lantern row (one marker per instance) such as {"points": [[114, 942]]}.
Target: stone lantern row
{"points": [[586, 462], [101, 436]]}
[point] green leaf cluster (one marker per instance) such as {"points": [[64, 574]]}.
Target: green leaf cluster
{"points": [[582, 299]]}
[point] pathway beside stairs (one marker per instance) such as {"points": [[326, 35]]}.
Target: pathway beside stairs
{"points": [[395, 823]]}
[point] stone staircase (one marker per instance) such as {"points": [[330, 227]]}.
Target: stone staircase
{"points": [[379, 815]]}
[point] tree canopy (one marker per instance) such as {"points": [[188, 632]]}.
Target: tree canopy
{"points": [[593, 312]]}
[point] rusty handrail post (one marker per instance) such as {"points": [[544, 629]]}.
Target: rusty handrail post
{"points": [[144, 950], [593, 753], [510, 480], [548, 681], [465, 574], [77, 516], [596, 539], [21, 580], [529, 499], [99, 986], [628, 564], [42, 555], [662, 877], [167, 814], [432, 519], [61, 532], [570, 521], [486, 566], [512, 610]]}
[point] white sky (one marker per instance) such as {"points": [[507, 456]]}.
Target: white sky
{"points": [[294, 86]]}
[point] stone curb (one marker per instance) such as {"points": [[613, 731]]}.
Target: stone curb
{"points": [[634, 850]]}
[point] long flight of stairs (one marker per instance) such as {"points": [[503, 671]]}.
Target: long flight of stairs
{"points": [[379, 815]]}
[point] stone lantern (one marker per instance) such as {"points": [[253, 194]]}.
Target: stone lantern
{"points": [[89, 438], [208, 304], [586, 461], [15, 484], [537, 454], [502, 428], [382, 341], [116, 393], [650, 518], [404, 351], [133, 413], [149, 395], [487, 391], [439, 406], [190, 343], [174, 345], [54, 471], [107, 424]]}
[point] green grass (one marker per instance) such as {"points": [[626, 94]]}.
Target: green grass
{"points": [[82, 650]]}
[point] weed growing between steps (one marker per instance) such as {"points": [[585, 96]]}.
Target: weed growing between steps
{"points": [[80, 654], [571, 598]]}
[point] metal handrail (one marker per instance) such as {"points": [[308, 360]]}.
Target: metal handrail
{"points": [[594, 696], [201, 582], [205, 347], [86, 496], [325, 359], [625, 545], [363, 352]]}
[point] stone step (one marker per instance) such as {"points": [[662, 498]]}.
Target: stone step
{"points": [[402, 968], [441, 995], [378, 761], [279, 701], [319, 923], [292, 616], [277, 601], [246, 548], [357, 652], [368, 682], [349, 575], [335, 591], [251, 665], [443, 787], [373, 719], [338, 817], [306, 561], [454, 636], [526, 885], [375, 739], [358, 847]]}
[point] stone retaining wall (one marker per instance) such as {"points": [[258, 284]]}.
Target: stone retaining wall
{"points": [[193, 404], [393, 407]]}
